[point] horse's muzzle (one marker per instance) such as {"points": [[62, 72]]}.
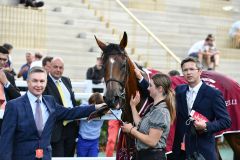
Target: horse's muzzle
{"points": [[112, 102]]}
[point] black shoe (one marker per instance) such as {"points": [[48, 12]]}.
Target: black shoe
{"points": [[28, 3], [37, 4], [209, 69], [33, 3]]}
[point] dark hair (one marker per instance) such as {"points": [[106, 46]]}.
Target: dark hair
{"points": [[99, 58], [173, 73], [7, 46], [192, 59], [46, 59], [209, 37], [164, 80], [36, 69], [38, 55], [96, 98], [3, 50]]}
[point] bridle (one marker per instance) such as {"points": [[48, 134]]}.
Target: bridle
{"points": [[121, 83]]}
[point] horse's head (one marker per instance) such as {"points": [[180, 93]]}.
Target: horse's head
{"points": [[115, 66]]}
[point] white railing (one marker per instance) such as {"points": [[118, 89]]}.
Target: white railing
{"points": [[85, 87], [82, 89]]}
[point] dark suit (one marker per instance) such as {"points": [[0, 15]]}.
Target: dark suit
{"points": [[210, 103], [61, 132], [19, 137], [11, 92]]}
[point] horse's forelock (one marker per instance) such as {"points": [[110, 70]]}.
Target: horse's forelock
{"points": [[112, 49]]}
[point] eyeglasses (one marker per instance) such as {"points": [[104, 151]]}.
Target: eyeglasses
{"points": [[3, 59], [191, 70]]}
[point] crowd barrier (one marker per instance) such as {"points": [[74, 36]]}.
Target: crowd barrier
{"points": [[83, 90]]}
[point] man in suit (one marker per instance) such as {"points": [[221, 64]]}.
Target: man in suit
{"points": [[65, 133], [8, 89], [46, 63], [198, 136], [29, 120]]}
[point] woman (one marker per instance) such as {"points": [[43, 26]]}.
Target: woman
{"points": [[152, 129]]}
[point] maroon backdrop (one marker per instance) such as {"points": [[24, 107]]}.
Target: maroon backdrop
{"points": [[231, 92]]}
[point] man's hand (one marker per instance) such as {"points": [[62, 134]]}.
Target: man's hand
{"points": [[200, 125], [98, 106], [3, 78]]}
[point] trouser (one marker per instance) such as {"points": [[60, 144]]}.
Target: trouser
{"points": [[65, 147], [87, 148], [113, 129]]}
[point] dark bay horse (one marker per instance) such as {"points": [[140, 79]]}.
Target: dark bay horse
{"points": [[120, 78], [121, 84]]}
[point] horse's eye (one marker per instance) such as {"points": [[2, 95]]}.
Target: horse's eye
{"points": [[123, 66]]}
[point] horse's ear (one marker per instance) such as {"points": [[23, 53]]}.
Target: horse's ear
{"points": [[123, 42], [100, 44]]}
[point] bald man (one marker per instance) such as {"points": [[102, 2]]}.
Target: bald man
{"points": [[60, 87]]}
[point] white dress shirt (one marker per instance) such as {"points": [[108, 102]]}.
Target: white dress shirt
{"points": [[32, 99], [191, 95], [67, 95]]}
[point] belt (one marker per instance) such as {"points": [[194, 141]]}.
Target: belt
{"points": [[152, 149]]}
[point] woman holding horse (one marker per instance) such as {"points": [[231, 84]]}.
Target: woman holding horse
{"points": [[152, 129]]}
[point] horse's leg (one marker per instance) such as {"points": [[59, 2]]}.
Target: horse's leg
{"points": [[234, 142]]}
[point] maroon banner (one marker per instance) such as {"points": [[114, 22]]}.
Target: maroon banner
{"points": [[231, 93]]}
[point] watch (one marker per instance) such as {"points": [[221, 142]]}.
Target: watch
{"points": [[6, 85], [205, 130]]}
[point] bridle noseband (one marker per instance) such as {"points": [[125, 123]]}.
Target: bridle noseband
{"points": [[122, 84]]}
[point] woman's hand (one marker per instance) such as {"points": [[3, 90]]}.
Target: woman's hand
{"points": [[135, 100], [126, 127]]}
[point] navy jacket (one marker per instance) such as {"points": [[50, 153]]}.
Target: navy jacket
{"points": [[19, 137], [210, 103]]}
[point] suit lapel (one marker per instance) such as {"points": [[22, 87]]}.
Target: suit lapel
{"points": [[54, 89], [50, 111], [29, 112], [184, 109], [66, 83], [200, 94]]}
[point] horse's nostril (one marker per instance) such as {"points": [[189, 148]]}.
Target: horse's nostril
{"points": [[104, 98]]}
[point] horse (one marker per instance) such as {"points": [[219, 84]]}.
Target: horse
{"points": [[121, 84]]}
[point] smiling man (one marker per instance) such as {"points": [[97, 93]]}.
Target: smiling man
{"points": [[198, 136], [29, 120], [60, 87]]}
